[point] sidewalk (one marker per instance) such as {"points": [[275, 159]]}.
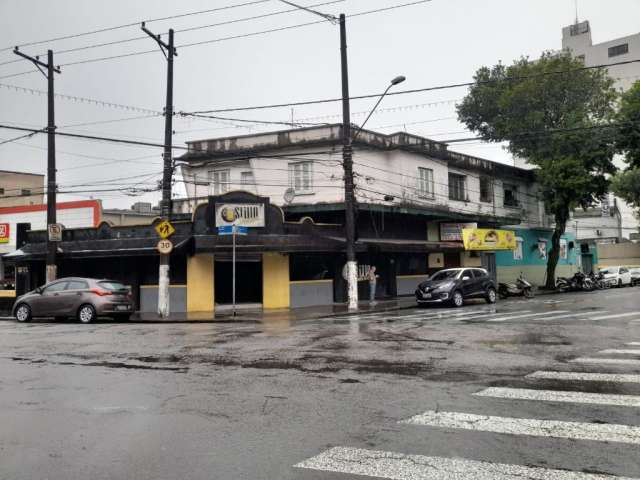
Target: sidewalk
{"points": [[288, 315]]}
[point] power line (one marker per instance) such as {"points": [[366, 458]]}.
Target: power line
{"points": [[416, 90], [93, 137], [134, 24], [190, 29], [541, 133], [221, 39]]}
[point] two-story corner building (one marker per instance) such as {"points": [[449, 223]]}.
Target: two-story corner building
{"points": [[413, 197]]}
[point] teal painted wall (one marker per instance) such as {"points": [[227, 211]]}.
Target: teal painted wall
{"points": [[532, 265], [530, 253]]}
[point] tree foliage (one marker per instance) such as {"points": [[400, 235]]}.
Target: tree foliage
{"points": [[554, 113], [628, 119], [626, 184]]}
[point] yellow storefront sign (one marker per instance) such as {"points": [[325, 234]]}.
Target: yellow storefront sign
{"points": [[488, 239]]}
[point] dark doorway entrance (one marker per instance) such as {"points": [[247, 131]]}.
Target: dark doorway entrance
{"points": [[489, 264], [248, 281]]}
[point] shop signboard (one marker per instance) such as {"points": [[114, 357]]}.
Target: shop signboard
{"points": [[4, 232], [488, 239], [452, 232], [240, 214]]}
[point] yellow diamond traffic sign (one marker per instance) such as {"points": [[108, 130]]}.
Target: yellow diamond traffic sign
{"points": [[165, 229]]}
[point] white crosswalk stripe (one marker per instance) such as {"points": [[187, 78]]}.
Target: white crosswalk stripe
{"points": [[607, 361], [397, 466], [616, 315], [634, 344], [514, 317], [528, 426], [561, 396], [576, 315], [620, 351], [585, 377]]}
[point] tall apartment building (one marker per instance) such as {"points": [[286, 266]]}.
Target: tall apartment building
{"points": [[577, 39]]}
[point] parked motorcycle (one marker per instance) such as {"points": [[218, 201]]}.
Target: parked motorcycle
{"points": [[579, 282], [598, 280], [520, 288]]}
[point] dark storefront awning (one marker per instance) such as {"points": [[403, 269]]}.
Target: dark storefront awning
{"points": [[104, 248], [268, 243], [414, 246]]}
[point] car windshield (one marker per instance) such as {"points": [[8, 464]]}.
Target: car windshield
{"points": [[445, 275], [113, 286], [609, 271]]}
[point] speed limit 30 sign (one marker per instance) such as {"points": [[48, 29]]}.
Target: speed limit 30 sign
{"points": [[165, 246]]}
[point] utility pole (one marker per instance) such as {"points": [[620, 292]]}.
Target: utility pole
{"points": [[52, 246], [169, 52], [347, 165]]}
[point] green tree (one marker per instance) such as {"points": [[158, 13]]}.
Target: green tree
{"points": [[626, 184], [554, 113]]}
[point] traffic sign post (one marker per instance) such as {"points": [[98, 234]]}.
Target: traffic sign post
{"points": [[233, 230], [165, 229]]}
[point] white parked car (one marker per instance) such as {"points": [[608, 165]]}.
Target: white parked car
{"points": [[635, 276], [617, 276]]}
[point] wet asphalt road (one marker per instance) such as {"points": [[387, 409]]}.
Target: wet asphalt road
{"points": [[251, 400]]}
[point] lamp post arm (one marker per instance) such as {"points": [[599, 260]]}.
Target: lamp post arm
{"points": [[370, 113]]}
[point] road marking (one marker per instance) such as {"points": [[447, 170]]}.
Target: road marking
{"points": [[617, 315], [611, 361], [446, 314], [561, 396], [513, 317], [585, 377], [560, 316], [621, 352], [528, 426], [398, 466], [633, 344]]}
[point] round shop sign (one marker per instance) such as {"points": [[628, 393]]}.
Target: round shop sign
{"points": [[165, 246]]}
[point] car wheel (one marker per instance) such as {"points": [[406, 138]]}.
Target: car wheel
{"points": [[86, 313], [122, 317], [491, 295], [23, 313], [457, 300]]}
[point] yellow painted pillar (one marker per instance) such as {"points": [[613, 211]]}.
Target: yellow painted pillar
{"points": [[200, 288], [275, 280]]}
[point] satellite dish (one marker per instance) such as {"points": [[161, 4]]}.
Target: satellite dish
{"points": [[289, 195]]}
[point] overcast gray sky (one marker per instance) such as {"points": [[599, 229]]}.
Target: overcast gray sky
{"points": [[436, 43]]}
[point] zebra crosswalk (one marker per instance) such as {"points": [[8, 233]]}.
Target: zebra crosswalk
{"points": [[396, 465], [493, 314]]}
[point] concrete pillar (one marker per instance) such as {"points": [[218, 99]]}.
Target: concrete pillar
{"points": [[275, 280], [200, 286]]}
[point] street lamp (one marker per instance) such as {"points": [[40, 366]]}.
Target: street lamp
{"points": [[395, 81]]}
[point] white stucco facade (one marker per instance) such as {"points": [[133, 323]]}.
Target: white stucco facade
{"points": [[383, 174]]}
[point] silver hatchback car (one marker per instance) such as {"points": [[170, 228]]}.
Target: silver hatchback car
{"points": [[81, 298]]}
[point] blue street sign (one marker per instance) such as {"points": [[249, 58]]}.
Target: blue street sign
{"points": [[228, 230]]}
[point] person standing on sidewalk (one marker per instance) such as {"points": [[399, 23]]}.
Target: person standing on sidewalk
{"points": [[373, 278]]}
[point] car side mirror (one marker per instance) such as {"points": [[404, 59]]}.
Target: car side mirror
{"points": [[39, 290], [465, 278]]}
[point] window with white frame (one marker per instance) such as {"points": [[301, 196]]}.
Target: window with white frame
{"points": [[219, 179], [246, 179], [457, 187], [301, 177], [425, 182]]}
